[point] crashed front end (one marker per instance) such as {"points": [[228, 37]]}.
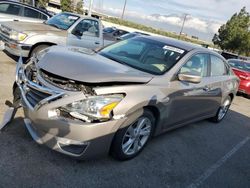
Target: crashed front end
{"points": [[66, 115]]}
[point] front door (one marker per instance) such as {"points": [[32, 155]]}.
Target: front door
{"points": [[191, 100]]}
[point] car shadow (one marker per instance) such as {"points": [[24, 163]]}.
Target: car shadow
{"points": [[173, 158]]}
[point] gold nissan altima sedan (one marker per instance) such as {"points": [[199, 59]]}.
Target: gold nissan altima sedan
{"points": [[85, 103]]}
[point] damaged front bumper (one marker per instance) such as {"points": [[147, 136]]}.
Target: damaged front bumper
{"points": [[49, 126]]}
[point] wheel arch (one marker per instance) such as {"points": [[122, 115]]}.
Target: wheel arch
{"points": [[40, 43], [156, 114]]}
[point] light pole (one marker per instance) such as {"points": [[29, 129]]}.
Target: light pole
{"points": [[124, 7], [183, 23], [90, 7]]}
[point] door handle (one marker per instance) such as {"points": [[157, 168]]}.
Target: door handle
{"points": [[97, 42], [206, 88]]}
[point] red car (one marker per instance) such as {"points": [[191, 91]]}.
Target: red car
{"points": [[242, 70]]}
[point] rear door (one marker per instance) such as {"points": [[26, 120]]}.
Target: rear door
{"points": [[221, 81], [87, 34], [10, 11]]}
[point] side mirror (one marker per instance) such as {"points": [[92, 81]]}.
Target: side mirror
{"points": [[77, 32], [189, 78]]}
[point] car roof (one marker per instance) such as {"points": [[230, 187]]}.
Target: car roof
{"points": [[27, 5], [239, 60], [176, 43], [80, 15]]}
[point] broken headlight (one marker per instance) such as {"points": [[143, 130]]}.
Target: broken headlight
{"points": [[94, 107]]}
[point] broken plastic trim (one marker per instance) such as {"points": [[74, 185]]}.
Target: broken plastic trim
{"points": [[12, 107]]}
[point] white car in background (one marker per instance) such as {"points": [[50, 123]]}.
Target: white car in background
{"points": [[14, 11]]}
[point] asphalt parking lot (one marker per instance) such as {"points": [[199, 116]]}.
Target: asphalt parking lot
{"points": [[201, 154]]}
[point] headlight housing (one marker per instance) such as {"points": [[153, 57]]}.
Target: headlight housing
{"points": [[94, 107], [14, 35]]}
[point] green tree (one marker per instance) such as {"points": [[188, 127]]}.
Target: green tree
{"points": [[79, 7], [67, 5], [234, 36], [42, 3]]}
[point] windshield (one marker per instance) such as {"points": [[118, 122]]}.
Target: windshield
{"points": [[240, 65], [144, 54], [62, 21]]}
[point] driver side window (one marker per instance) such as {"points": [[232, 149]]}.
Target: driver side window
{"points": [[87, 27], [196, 65]]}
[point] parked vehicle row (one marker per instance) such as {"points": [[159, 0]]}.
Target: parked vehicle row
{"points": [[25, 39], [114, 34]]}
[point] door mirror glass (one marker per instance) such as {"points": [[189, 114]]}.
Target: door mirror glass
{"points": [[189, 78]]}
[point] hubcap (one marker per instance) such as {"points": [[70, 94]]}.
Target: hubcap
{"points": [[136, 136], [224, 109]]}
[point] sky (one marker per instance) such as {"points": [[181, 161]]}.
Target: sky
{"points": [[204, 17]]}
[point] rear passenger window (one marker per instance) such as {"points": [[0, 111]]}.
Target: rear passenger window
{"points": [[44, 17], [31, 13], [10, 8], [4, 7], [217, 66]]}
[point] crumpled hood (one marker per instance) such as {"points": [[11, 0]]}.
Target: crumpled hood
{"points": [[83, 65], [30, 27]]}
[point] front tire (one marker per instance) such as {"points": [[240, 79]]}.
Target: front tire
{"points": [[130, 141], [37, 49], [222, 111]]}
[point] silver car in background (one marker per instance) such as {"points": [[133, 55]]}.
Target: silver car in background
{"points": [[14, 11], [84, 103]]}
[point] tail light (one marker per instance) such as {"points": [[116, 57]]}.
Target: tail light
{"points": [[244, 77]]}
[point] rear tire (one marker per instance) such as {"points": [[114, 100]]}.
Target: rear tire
{"points": [[222, 111], [130, 141], [38, 48]]}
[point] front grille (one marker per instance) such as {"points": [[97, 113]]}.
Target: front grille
{"points": [[65, 83], [35, 96], [61, 82], [5, 30]]}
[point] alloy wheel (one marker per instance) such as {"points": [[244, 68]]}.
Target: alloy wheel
{"points": [[136, 136]]}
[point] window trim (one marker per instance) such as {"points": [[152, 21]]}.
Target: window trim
{"points": [[224, 62], [197, 53]]}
